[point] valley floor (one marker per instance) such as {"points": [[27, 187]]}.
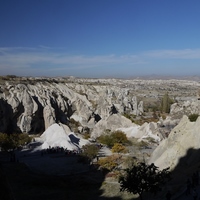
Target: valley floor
{"points": [[57, 176]]}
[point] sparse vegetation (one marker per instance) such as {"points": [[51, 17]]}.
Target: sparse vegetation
{"points": [[130, 116], [142, 119]]}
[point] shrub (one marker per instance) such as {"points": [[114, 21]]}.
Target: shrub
{"points": [[109, 163], [119, 137], [193, 117], [114, 137], [90, 151], [119, 148], [12, 141], [106, 139]]}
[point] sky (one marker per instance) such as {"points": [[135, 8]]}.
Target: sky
{"points": [[99, 38]]}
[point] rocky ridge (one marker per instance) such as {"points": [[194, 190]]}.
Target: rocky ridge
{"points": [[32, 108], [31, 105]]}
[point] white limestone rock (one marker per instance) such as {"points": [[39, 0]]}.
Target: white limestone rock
{"points": [[183, 137], [35, 105], [112, 123], [145, 132], [185, 108], [56, 136], [49, 116]]}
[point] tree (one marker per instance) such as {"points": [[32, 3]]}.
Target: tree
{"points": [[142, 178], [166, 103]]}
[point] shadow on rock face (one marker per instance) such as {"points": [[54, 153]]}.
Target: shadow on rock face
{"points": [[74, 139]]}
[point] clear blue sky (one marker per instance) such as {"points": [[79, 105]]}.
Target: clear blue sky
{"points": [[99, 38]]}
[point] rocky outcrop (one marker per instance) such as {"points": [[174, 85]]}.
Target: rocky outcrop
{"points": [[185, 108], [57, 136], [177, 111], [112, 123], [33, 106], [148, 132], [185, 136], [49, 116]]}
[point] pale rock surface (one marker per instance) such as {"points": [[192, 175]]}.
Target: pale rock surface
{"points": [[112, 123], [183, 137], [33, 105], [168, 124], [140, 108], [30, 107], [185, 108], [131, 132], [149, 130], [56, 136], [144, 132], [49, 116]]}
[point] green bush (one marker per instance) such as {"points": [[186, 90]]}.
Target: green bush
{"points": [[119, 137], [193, 117], [106, 139], [12, 141], [114, 137], [90, 151]]}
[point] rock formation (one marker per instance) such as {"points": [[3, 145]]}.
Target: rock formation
{"points": [[185, 108], [56, 136], [34, 105], [185, 136], [112, 123], [31, 105]]}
